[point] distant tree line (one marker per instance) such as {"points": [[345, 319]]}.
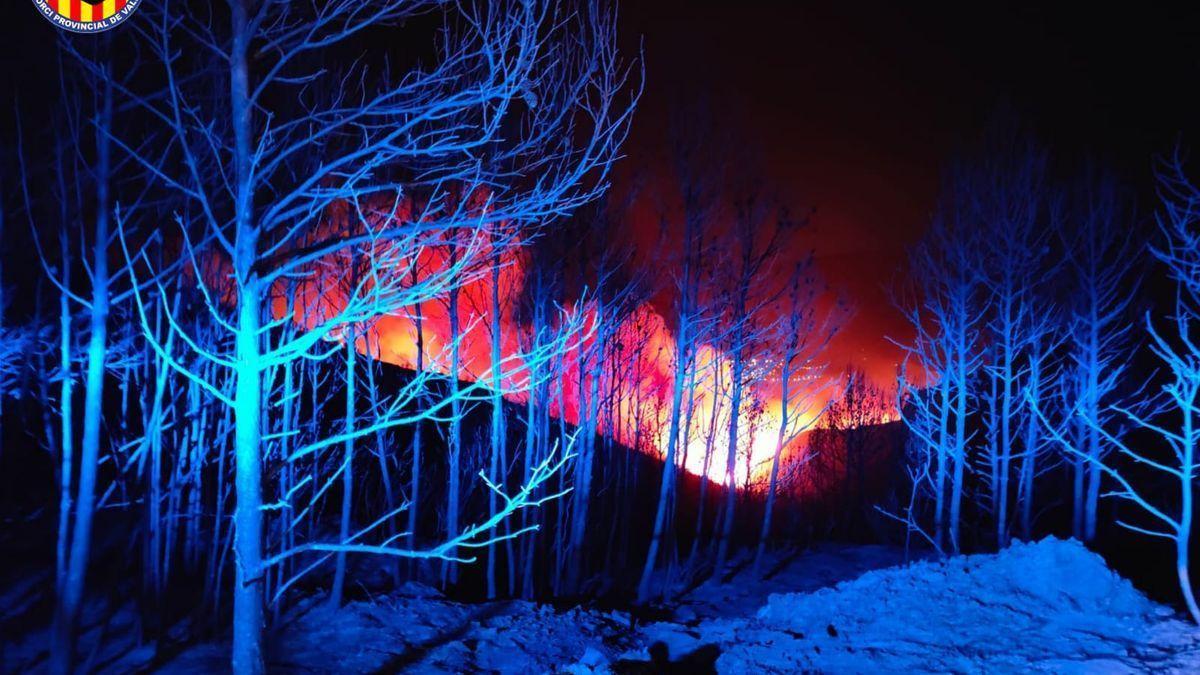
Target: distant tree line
{"points": [[1040, 371]]}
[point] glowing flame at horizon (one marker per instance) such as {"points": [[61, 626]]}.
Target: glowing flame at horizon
{"points": [[639, 413], [640, 361]]}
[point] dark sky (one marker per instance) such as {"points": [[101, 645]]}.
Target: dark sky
{"points": [[855, 107]]}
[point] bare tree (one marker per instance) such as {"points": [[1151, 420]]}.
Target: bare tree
{"points": [[1102, 257], [1011, 207], [803, 386], [699, 179], [266, 138], [1172, 414], [946, 317]]}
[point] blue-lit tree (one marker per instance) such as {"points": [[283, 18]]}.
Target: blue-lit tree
{"points": [[517, 121], [989, 336], [759, 224], [935, 389], [1042, 375], [1171, 414], [97, 303], [700, 176], [1011, 207], [1102, 257], [601, 266], [804, 332], [87, 149], [923, 401]]}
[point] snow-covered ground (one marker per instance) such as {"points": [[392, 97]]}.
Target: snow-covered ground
{"points": [[1050, 606]]}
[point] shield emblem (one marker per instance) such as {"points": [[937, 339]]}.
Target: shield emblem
{"points": [[86, 16]]}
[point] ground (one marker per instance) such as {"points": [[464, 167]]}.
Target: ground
{"points": [[1050, 606]]}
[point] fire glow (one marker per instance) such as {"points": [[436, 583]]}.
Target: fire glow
{"points": [[639, 351], [639, 368]]}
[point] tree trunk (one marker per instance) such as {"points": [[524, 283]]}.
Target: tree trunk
{"points": [[682, 349], [450, 569], [247, 658], [66, 617], [339, 573]]}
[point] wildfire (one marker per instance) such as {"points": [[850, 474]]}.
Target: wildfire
{"points": [[638, 414], [637, 374]]}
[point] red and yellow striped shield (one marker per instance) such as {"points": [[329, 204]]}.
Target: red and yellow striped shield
{"points": [[87, 11], [86, 16]]}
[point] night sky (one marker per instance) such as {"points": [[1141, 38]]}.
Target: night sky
{"points": [[855, 108]]}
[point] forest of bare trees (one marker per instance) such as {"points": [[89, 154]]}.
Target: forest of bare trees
{"points": [[1037, 361], [240, 239], [294, 308]]}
